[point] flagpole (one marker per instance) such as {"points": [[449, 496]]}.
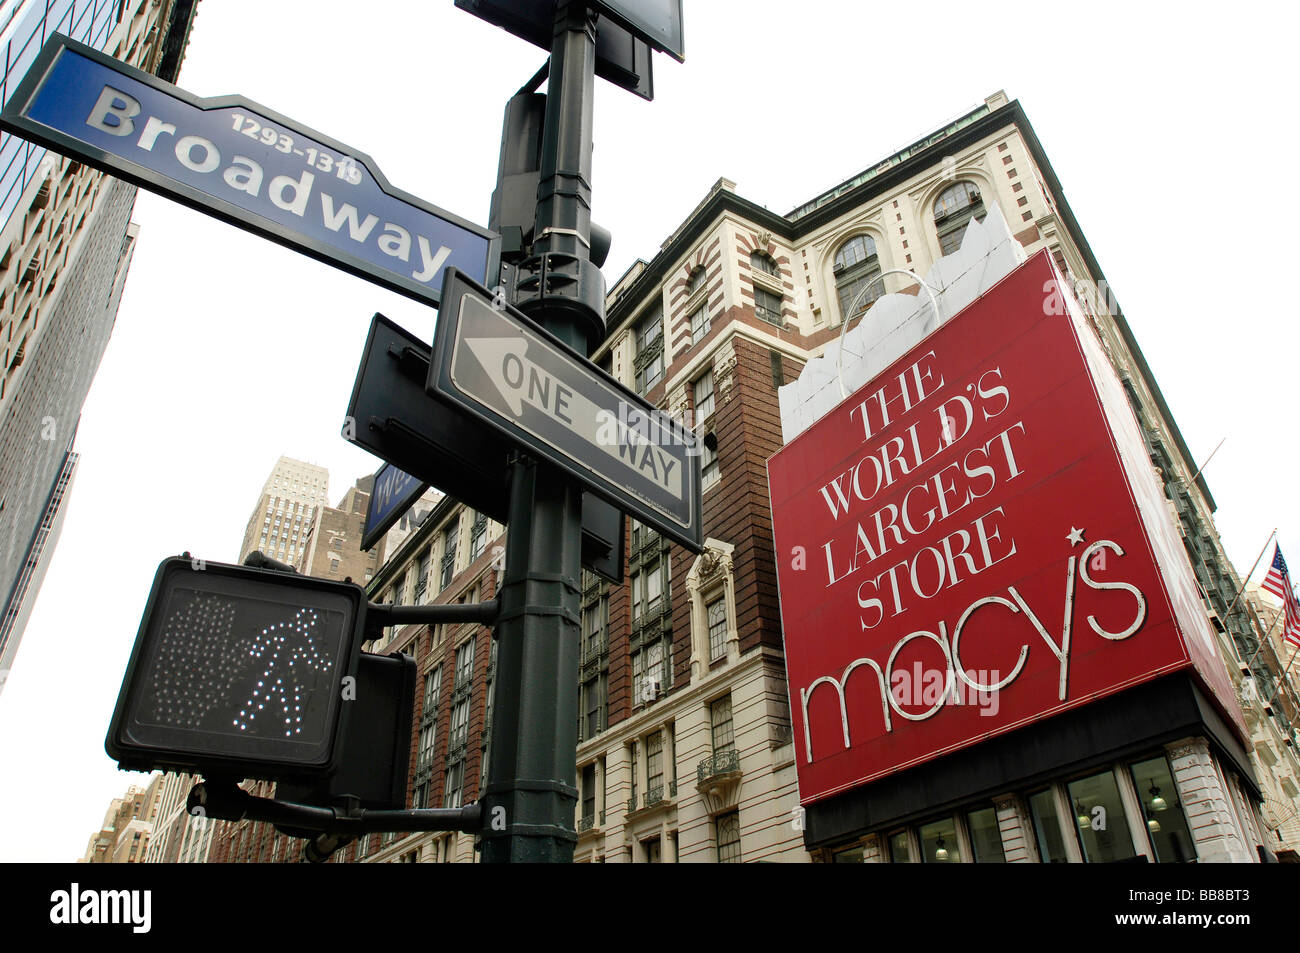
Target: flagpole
{"points": [[1244, 582], [1207, 463]]}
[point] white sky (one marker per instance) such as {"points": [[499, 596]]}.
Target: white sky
{"points": [[1170, 129]]}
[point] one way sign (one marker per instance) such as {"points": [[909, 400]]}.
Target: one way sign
{"points": [[495, 363]]}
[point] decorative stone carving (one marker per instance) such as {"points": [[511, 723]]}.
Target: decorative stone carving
{"points": [[711, 562], [1183, 750], [724, 371]]}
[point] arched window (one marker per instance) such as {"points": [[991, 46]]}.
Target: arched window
{"points": [[762, 261], [696, 281], [856, 265], [956, 206]]}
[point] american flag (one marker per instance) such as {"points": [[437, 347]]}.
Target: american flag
{"points": [[1278, 582]]}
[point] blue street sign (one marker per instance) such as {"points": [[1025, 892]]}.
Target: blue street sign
{"points": [[392, 495], [247, 165]]}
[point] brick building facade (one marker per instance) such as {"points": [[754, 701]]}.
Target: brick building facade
{"points": [[331, 548], [685, 750]]}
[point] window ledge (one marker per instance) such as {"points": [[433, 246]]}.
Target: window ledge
{"points": [[657, 799], [696, 301], [771, 283]]}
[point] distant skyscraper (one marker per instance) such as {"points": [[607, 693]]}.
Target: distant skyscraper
{"points": [[291, 500], [331, 547], [65, 246], [177, 836], [124, 836]]}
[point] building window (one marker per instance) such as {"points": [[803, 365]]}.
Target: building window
{"points": [[1099, 818], [703, 388], [721, 726], [700, 323], [453, 790], [464, 665], [448, 554], [478, 537], [428, 737], [1047, 828], [594, 661], [594, 701], [762, 261], [651, 636], [715, 614], [709, 470], [900, 848], [588, 797], [432, 693], [651, 849], [650, 671], [648, 589], [853, 854], [767, 305], [458, 730], [696, 281], [654, 768], [953, 209], [1162, 811], [985, 836], [422, 577], [595, 623], [939, 842], [649, 360], [728, 826], [856, 267], [632, 775]]}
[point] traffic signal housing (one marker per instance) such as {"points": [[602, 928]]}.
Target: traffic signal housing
{"points": [[239, 673], [376, 764]]}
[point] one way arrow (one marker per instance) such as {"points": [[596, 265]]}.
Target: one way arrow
{"points": [[519, 380]]}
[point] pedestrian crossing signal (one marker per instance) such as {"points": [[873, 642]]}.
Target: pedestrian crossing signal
{"points": [[238, 672]]}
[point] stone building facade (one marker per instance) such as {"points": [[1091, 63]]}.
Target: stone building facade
{"points": [[291, 499], [685, 751], [128, 826]]}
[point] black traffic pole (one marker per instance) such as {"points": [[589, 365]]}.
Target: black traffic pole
{"points": [[530, 796]]}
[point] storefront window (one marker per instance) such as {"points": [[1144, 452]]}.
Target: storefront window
{"points": [[1099, 819], [1047, 828], [1163, 812], [939, 842], [900, 849], [848, 855], [985, 837]]}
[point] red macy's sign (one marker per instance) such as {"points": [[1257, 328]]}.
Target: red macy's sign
{"points": [[973, 541]]}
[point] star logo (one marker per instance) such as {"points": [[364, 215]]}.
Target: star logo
{"points": [[1075, 537]]}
